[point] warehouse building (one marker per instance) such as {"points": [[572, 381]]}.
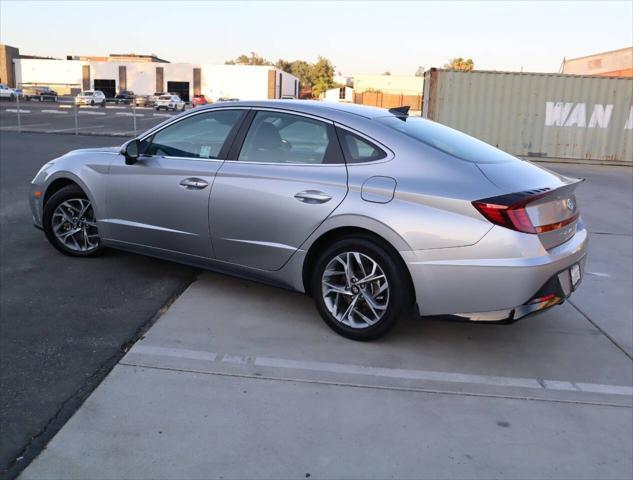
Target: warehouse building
{"points": [[615, 63], [110, 75]]}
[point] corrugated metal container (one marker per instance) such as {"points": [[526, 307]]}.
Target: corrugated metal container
{"points": [[537, 115]]}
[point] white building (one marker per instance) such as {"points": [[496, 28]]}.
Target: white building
{"points": [[342, 94], [244, 82]]}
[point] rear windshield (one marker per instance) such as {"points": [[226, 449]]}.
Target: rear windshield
{"points": [[447, 140], [165, 97]]}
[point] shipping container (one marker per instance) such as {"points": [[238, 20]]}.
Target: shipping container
{"points": [[537, 115]]}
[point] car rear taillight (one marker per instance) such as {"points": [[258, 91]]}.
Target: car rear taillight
{"points": [[510, 211], [513, 218]]}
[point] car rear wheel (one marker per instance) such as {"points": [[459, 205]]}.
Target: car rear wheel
{"points": [[360, 288], [92, 103], [69, 223]]}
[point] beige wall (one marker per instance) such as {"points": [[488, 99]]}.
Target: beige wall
{"points": [[617, 63], [399, 84]]}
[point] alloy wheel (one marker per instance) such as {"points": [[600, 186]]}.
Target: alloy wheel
{"points": [[355, 290], [74, 225]]}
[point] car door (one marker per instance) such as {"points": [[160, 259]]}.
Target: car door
{"points": [[162, 201], [282, 179]]}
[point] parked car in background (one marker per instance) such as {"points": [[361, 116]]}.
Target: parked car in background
{"points": [[169, 102], [228, 99], [41, 94], [7, 93], [91, 97], [143, 100], [199, 100], [124, 96], [157, 95], [372, 212]]}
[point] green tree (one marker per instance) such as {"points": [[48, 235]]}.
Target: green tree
{"points": [[460, 64], [284, 65], [322, 76], [252, 59]]}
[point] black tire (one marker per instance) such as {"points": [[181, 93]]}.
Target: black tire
{"points": [[92, 103], [12, 98], [400, 291], [63, 194]]}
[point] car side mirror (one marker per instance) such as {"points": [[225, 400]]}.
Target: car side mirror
{"points": [[130, 152]]}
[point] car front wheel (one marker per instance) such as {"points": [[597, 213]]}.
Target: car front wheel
{"points": [[361, 289], [69, 223]]}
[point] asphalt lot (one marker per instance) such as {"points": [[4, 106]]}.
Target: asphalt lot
{"points": [[242, 380], [63, 323], [49, 117]]}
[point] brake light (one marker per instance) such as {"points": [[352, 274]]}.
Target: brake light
{"points": [[510, 211], [514, 217]]}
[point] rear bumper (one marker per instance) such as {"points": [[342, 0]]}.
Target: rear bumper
{"points": [[496, 279], [555, 291]]}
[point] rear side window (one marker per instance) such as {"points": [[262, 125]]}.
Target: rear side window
{"points": [[284, 138], [359, 150], [199, 136], [447, 140]]}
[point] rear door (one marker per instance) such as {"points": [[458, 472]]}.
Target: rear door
{"points": [[282, 179], [162, 201]]}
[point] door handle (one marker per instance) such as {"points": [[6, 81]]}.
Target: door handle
{"points": [[313, 196], [193, 183]]}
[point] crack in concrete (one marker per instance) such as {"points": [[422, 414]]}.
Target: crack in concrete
{"points": [[602, 331]]}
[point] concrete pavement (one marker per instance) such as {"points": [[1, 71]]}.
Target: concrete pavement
{"points": [[241, 380]]}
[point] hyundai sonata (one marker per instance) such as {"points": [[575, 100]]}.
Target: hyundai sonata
{"points": [[372, 212]]}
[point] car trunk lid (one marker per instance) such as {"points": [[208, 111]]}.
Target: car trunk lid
{"points": [[538, 201]]}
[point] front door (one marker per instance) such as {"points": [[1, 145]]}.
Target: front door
{"points": [[162, 201], [287, 178]]}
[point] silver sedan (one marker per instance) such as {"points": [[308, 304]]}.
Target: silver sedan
{"points": [[372, 212]]}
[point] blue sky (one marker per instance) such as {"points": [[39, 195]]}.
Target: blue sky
{"points": [[358, 37]]}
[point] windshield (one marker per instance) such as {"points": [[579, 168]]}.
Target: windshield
{"points": [[447, 140], [87, 94], [165, 97]]}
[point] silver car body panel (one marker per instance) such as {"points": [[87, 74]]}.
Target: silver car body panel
{"points": [[249, 223]]}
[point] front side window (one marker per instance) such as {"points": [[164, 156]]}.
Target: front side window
{"points": [[198, 136], [284, 138]]}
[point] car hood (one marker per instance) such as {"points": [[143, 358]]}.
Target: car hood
{"points": [[95, 150]]}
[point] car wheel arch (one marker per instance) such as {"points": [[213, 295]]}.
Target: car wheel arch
{"points": [[326, 238], [57, 185], [63, 179]]}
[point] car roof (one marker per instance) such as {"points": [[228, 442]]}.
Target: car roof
{"points": [[314, 107]]}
